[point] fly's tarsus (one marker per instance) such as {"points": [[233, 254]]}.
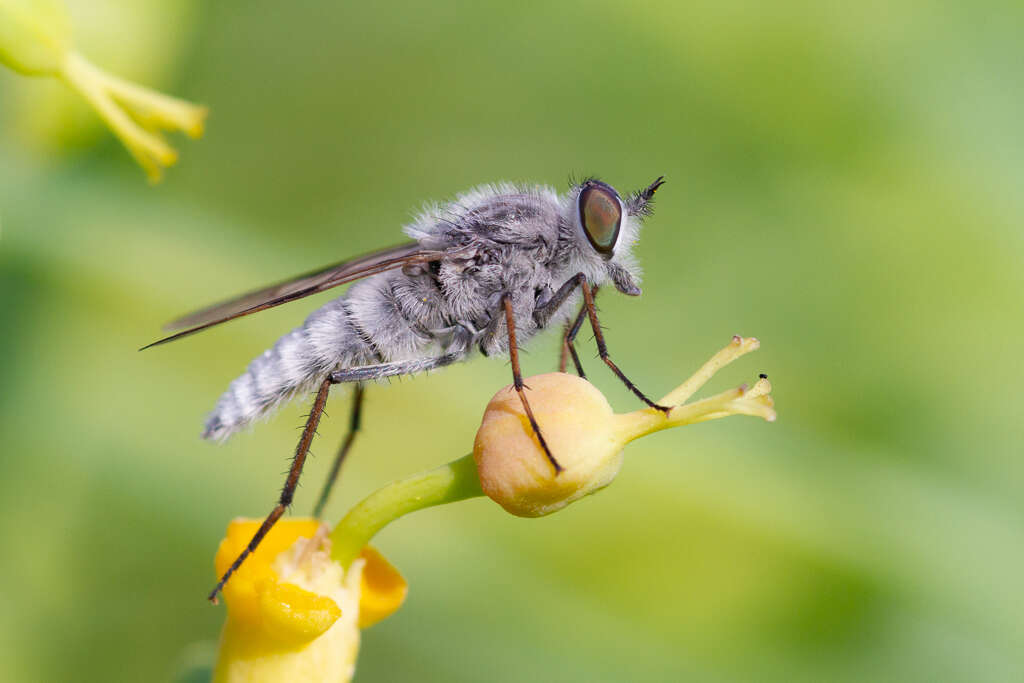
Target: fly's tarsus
{"points": [[602, 349]]}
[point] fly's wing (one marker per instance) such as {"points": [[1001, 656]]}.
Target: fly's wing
{"points": [[299, 287]]}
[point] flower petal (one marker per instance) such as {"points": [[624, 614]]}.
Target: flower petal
{"points": [[383, 588], [291, 613], [242, 592]]}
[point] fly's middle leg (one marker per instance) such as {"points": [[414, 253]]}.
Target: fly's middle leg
{"points": [[517, 381]]}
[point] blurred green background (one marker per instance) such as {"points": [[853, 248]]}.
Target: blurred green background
{"points": [[845, 182]]}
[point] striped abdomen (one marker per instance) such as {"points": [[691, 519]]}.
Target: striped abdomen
{"points": [[384, 318]]}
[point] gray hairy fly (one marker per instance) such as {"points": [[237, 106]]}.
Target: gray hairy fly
{"points": [[486, 271]]}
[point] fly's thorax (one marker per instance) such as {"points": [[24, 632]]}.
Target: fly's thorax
{"points": [[419, 298], [498, 214], [468, 285], [395, 314], [512, 239]]}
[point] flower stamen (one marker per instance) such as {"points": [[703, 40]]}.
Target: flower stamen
{"points": [[738, 347], [135, 114]]}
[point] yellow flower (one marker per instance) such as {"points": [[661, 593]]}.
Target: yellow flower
{"points": [[585, 434], [36, 40], [293, 613]]}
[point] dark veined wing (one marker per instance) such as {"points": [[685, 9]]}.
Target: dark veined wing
{"points": [[299, 287]]}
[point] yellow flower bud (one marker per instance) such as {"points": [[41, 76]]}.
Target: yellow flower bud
{"points": [[580, 429], [585, 435]]}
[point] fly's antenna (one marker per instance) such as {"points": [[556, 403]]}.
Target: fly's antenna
{"points": [[639, 203]]}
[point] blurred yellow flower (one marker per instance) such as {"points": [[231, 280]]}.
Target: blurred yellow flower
{"points": [[293, 613], [36, 40]]}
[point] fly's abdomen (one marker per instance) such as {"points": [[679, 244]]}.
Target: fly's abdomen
{"points": [[369, 325], [270, 380], [293, 366]]}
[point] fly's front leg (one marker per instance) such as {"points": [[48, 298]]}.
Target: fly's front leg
{"points": [[353, 428], [543, 312], [571, 330], [602, 349], [288, 492], [517, 381]]}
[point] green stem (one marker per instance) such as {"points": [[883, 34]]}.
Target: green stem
{"points": [[455, 481]]}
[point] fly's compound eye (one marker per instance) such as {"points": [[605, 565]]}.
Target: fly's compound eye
{"points": [[601, 216]]}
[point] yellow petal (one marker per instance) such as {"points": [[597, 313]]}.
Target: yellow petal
{"points": [[242, 591], [383, 589], [294, 614]]}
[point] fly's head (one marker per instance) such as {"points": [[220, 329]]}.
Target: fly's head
{"points": [[605, 228]]}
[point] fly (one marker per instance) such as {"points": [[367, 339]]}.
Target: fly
{"points": [[484, 272]]}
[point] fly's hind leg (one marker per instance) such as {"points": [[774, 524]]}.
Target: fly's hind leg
{"points": [[288, 492], [517, 380], [353, 428], [358, 374], [363, 373]]}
